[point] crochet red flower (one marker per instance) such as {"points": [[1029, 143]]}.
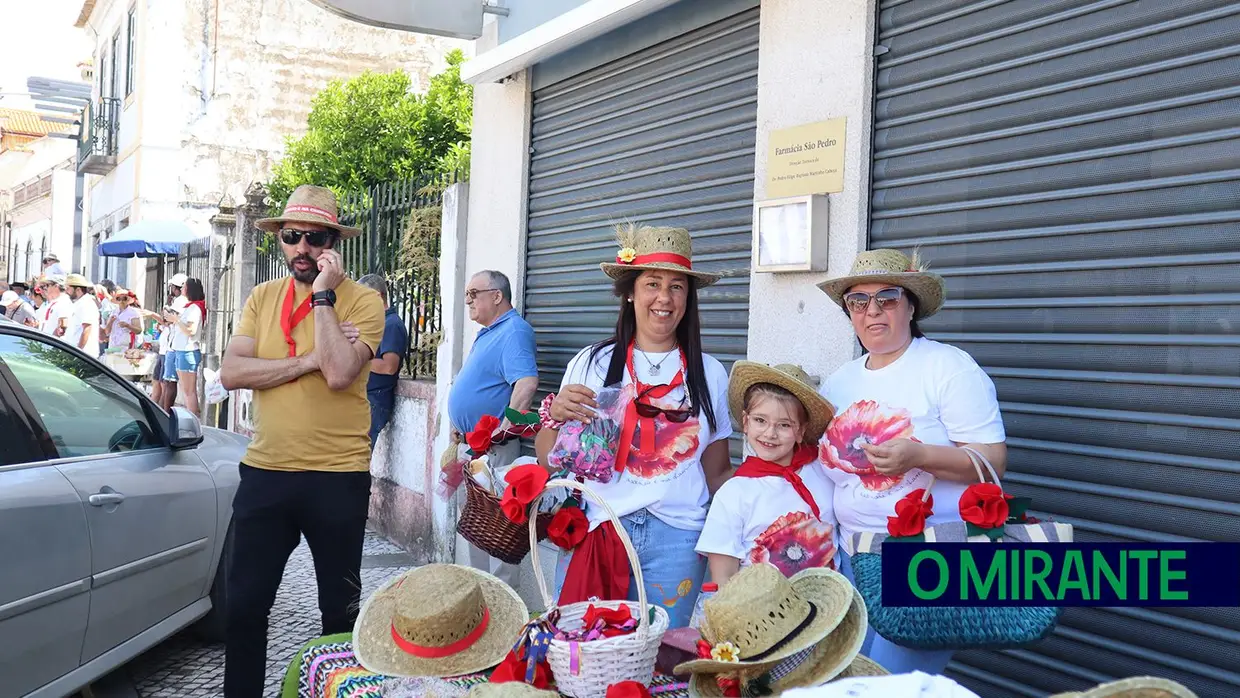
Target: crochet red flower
{"points": [[479, 439], [568, 527], [627, 689], [525, 483], [984, 505], [911, 515], [513, 669]]}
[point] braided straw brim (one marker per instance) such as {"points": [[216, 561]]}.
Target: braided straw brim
{"points": [[1136, 687], [890, 267], [378, 653], [827, 589], [509, 689], [748, 373], [835, 656], [653, 240]]}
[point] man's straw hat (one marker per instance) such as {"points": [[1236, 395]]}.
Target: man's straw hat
{"points": [[895, 268], [646, 247], [1136, 687], [310, 204], [790, 377], [438, 620], [78, 281]]}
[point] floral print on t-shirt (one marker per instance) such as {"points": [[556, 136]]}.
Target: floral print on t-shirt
{"points": [[673, 445], [865, 421], [795, 541]]}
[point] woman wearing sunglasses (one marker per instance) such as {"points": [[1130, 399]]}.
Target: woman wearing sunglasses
{"points": [[673, 446], [902, 412]]}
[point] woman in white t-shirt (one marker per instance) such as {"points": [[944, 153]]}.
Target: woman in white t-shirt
{"points": [[124, 326], [184, 350], [673, 447], [902, 412]]}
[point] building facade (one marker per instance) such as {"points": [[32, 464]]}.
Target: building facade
{"points": [[1068, 166], [193, 102], [37, 194]]}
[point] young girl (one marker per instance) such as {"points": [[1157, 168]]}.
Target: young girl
{"points": [[777, 508]]}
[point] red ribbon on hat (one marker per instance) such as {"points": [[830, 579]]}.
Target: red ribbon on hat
{"points": [[303, 208], [654, 257], [447, 650], [632, 419]]}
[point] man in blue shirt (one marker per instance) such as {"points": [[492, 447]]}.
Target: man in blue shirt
{"points": [[499, 372], [385, 367]]}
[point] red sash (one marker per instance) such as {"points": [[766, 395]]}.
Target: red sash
{"points": [[290, 318], [599, 567]]}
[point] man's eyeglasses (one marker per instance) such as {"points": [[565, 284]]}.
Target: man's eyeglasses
{"points": [[314, 238], [472, 293], [650, 411], [887, 299]]}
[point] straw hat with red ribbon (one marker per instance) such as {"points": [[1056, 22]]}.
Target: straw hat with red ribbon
{"points": [[645, 247], [310, 204]]}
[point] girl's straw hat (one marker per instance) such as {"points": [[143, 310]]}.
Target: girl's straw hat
{"points": [[1136, 687], [895, 268], [761, 617], [310, 204], [794, 379], [646, 247], [438, 620]]}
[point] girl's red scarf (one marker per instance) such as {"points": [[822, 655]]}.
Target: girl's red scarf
{"points": [[805, 454]]}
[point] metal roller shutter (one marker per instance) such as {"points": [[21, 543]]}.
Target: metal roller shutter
{"points": [[1072, 168], [663, 136]]}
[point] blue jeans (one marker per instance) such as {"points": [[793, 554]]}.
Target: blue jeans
{"points": [[890, 656], [673, 570]]}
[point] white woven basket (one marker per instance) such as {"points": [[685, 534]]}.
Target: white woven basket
{"points": [[601, 663]]}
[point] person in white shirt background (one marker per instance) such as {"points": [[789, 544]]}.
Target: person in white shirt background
{"points": [[164, 377], [57, 307], [83, 331], [51, 266], [124, 327], [17, 309], [186, 329]]}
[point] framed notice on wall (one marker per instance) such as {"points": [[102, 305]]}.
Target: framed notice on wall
{"points": [[790, 234], [806, 160]]}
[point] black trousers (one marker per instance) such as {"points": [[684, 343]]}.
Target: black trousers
{"points": [[272, 510]]}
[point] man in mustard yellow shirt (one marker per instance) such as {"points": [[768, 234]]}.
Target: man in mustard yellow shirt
{"points": [[307, 471]]}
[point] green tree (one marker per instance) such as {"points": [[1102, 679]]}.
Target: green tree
{"points": [[373, 128]]}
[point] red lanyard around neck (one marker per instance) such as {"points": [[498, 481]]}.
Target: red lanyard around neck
{"points": [[290, 318], [632, 419]]}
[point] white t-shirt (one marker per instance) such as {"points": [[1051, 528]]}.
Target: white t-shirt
{"points": [[670, 482], [934, 393], [166, 332], [763, 519], [85, 313], [52, 312], [186, 342], [120, 336]]}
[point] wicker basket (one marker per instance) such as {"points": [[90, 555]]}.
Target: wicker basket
{"points": [[601, 663], [483, 523]]}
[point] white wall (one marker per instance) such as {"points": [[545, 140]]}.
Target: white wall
{"points": [[814, 64]]}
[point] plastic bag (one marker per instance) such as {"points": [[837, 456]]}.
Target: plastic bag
{"points": [[215, 389], [589, 450]]}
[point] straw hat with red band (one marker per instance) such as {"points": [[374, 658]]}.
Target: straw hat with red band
{"points": [[438, 620], [644, 247], [309, 204]]}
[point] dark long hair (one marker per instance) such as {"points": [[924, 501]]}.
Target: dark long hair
{"points": [[688, 336], [193, 290]]}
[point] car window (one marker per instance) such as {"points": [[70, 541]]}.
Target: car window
{"points": [[86, 411]]}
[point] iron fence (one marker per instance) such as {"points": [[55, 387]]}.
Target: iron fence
{"points": [[385, 213], [194, 262]]}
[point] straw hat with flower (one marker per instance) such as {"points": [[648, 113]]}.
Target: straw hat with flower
{"points": [[1135, 687], [794, 379], [646, 247], [895, 268], [309, 204], [438, 620]]}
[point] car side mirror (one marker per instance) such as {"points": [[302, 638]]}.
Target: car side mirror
{"points": [[185, 428]]}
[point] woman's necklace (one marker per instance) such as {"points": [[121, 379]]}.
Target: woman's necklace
{"points": [[654, 367]]}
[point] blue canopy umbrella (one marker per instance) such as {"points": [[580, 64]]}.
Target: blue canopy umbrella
{"points": [[149, 239]]}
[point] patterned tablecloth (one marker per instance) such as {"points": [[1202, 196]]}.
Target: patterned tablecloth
{"points": [[327, 668]]}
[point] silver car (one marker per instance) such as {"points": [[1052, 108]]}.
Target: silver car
{"points": [[114, 518]]}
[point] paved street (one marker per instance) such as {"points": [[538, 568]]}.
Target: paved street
{"points": [[185, 667]]}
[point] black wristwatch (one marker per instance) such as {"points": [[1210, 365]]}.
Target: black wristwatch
{"points": [[327, 297]]}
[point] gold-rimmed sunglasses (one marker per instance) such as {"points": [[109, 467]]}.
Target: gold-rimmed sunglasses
{"points": [[887, 299]]}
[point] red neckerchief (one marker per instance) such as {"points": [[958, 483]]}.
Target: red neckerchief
{"points": [[756, 467], [290, 319], [631, 418]]}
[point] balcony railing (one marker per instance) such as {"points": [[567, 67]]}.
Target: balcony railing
{"points": [[97, 149]]}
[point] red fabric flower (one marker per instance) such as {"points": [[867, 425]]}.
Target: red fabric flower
{"points": [[611, 616], [984, 505], [513, 669], [911, 514], [568, 527], [703, 649], [730, 686], [627, 689], [525, 483], [479, 439]]}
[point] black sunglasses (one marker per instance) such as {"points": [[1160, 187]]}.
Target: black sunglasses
{"points": [[314, 238], [650, 411], [859, 302]]}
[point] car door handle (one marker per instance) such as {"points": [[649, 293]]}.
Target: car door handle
{"points": [[105, 498]]}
